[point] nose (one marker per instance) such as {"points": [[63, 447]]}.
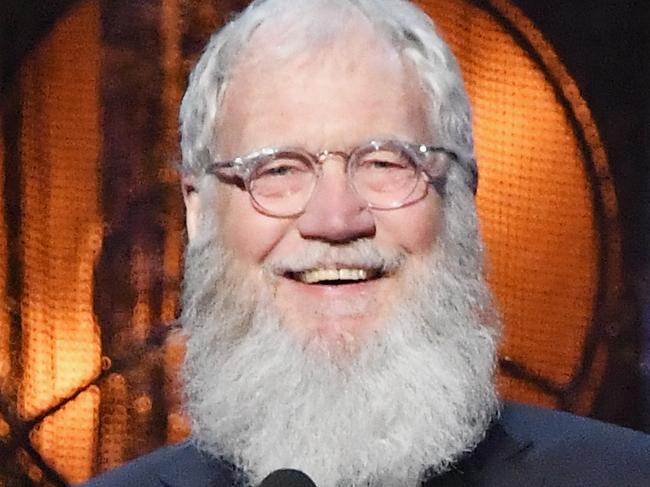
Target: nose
{"points": [[335, 213]]}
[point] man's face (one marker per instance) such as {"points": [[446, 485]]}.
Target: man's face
{"points": [[335, 98], [421, 330]]}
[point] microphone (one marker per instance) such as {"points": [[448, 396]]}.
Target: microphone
{"points": [[287, 478]]}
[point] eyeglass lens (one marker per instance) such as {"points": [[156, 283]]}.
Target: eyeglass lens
{"points": [[384, 178], [281, 185]]}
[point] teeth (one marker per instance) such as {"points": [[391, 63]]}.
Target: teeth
{"points": [[317, 275], [352, 274]]}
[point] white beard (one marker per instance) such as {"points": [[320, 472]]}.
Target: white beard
{"points": [[407, 404]]}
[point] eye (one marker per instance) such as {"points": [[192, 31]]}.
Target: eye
{"points": [[281, 167], [280, 177], [278, 170], [383, 164], [384, 160]]}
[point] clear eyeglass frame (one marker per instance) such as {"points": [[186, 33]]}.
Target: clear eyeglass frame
{"points": [[394, 174]]}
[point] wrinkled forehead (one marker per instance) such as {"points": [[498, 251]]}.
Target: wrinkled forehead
{"points": [[289, 76], [326, 33]]}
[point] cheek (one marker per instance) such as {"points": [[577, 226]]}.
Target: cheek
{"points": [[414, 228], [250, 235]]}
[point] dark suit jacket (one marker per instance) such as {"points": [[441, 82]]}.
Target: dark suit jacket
{"points": [[526, 447]]}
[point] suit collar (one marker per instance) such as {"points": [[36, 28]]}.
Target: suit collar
{"points": [[502, 441], [192, 468], [500, 449]]}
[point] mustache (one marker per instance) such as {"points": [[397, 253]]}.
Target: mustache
{"points": [[361, 253]]}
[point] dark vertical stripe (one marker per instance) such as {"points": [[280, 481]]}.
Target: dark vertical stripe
{"points": [[133, 203], [11, 125]]}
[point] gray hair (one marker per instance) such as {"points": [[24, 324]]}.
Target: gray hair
{"points": [[404, 25]]}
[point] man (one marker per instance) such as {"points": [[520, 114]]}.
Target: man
{"points": [[336, 314]]}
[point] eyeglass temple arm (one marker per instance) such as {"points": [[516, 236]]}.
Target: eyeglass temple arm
{"points": [[469, 167], [228, 169]]}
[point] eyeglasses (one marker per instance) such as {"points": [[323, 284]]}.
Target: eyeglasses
{"points": [[386, 174]]}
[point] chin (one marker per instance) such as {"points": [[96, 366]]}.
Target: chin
{"points": [[334, 331]]}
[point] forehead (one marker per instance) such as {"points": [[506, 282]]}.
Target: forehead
{"points": [[343, 90]]}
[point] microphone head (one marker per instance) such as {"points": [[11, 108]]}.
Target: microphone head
{"points": [[287, 478]]}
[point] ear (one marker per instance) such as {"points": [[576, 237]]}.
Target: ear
{"points": [[192, 205]]}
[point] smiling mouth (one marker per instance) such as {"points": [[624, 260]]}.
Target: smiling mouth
{"points": [[334, 277]]}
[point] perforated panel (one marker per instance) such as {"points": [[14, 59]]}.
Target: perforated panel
{"points": [[535, 198], [61, 233]]}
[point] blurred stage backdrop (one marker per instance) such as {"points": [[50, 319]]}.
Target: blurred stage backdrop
{"points": [[91, 232]]}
